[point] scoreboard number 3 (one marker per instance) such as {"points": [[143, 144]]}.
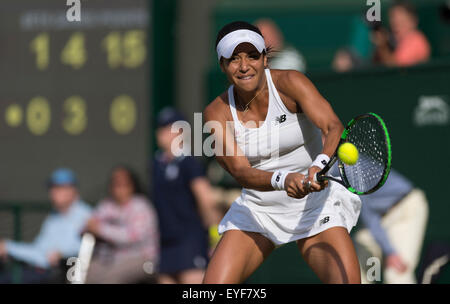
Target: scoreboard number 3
{"points": [[76, 120]]}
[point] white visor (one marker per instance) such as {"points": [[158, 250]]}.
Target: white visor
{"points": [[229, 42]]}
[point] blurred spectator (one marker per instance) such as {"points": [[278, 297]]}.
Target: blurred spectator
{"points": [[358, 53], [284, 56], [184, 200], [395, 218], [59, 237], [346, 59], [126, 228], [409, 47]]}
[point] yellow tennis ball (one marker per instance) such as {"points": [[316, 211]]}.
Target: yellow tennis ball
{"points": [[348, 153]]}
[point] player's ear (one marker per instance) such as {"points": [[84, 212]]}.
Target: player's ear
{"points": [[266, 64]]}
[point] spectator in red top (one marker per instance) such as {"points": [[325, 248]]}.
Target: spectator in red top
{"points": [[409, 47], [126, 228]]}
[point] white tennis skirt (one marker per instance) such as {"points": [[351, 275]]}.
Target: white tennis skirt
{"points": [[341, 208]]}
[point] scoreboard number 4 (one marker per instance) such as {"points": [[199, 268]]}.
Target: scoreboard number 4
{"points": [[74, 53]]}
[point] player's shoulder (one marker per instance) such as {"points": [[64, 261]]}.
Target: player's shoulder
{"points": [[218, 108], [286, 77], [287, 80]]}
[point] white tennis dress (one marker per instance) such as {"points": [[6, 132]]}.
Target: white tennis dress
{"points": [[290, 142]]}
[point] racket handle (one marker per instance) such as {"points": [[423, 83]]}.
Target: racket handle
{"points": [[318, 178]]}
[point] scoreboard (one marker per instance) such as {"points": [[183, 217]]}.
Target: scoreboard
{"points": [[72, 93]]}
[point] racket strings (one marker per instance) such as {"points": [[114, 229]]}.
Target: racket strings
{"points": [[369, 138]]}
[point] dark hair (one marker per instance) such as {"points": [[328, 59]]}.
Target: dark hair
{"points": [[137, 189], [234, 26]]}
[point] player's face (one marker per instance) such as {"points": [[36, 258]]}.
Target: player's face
{"points": [[245, 68]]}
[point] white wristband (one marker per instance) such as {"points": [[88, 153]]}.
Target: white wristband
{"points": [[278, 178], [321, 161]]}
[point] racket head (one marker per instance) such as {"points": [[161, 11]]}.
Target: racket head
{"points": [[369, 134]]}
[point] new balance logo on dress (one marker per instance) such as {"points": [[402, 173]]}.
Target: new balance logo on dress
{"points": [[281, 118], [324, 220]]}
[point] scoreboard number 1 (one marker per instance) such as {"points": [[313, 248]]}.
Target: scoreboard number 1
{"points": [[41, 46]]}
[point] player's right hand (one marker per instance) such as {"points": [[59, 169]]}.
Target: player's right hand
{"points": [[293, 184]]}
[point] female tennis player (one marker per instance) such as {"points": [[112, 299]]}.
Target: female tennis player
{"points": [[280, 202]]}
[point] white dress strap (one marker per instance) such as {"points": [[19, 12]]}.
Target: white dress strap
{"points": [[232, 105], [273, 92]]}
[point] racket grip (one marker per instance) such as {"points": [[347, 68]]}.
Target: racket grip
{"points": [[318, 178]]}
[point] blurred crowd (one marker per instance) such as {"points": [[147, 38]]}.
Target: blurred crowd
{"points": [[163, 235], [402, 44]]}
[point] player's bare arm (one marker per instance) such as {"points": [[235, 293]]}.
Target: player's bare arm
{"points": [[298, 87]]}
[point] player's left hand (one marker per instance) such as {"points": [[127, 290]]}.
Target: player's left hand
{"points": [[311, 184]]}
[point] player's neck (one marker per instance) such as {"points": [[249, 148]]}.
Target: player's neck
{"points": [[248, 99]]}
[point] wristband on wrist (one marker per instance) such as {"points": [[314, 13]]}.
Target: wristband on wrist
{"points": [[321, 161], [278, 178]]}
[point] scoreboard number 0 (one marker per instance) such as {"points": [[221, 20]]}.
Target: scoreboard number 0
{"points": [[38, 115], [122, 114]]}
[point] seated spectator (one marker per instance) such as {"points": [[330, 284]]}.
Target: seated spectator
{"points": [[410, 45], [59, 237], [284, 56], [394, 222], [126, 228]]}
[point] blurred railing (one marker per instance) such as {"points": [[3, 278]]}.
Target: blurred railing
{"points": [[18, 210], [24, 226]]}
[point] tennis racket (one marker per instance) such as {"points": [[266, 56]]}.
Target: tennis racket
{"points": [[369, 134]]}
